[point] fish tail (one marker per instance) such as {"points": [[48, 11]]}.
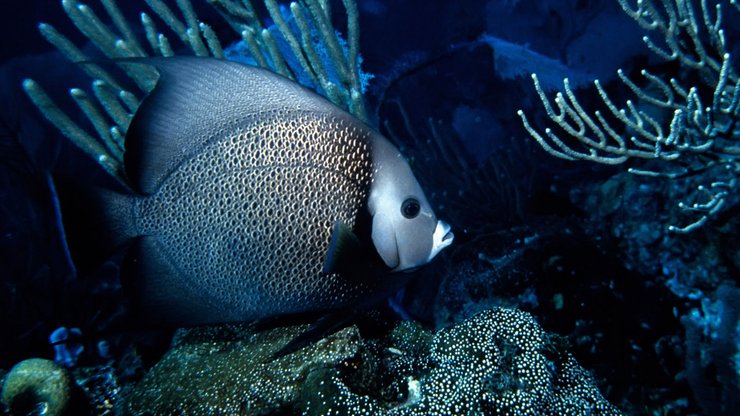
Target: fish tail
{"points": [[115, 215], [97, 222]]}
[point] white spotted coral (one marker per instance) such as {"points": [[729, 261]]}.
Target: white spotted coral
{"points": [[498, 362]]}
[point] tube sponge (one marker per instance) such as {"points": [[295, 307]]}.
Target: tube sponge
{"points": [[67, 346], [37, 386]]}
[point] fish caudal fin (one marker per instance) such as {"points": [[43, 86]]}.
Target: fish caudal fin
{"points": [[116, 215], [97, 222]]}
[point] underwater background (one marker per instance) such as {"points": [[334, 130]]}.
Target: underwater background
{"points": [[577, 286]]}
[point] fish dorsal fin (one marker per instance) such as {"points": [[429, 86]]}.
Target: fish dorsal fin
{"points": [[344, 250], [196, 101]]}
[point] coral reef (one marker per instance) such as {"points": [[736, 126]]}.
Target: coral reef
{"points": [[228, 370], [715, 331], [37, 386], [680, 123], [498, 362], [100, 387], [670, 122], [699, 271]]}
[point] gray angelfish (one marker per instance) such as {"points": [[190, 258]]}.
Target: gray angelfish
{"points": [[256, 197]]}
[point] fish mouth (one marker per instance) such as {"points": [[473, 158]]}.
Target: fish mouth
{"points": [[441, 238]]}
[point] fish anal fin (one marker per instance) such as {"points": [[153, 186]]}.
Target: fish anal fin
{"points": [[156, 288], [322, 328]]}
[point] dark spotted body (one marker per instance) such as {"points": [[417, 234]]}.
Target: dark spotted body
{"points": [[248, 219]]}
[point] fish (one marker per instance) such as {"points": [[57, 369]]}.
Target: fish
{"points": [[253, 197]]}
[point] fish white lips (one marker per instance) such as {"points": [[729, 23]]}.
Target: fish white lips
{"points": [[441, 238]]}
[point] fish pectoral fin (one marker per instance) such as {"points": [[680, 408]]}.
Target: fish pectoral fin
{"points": [[344, 250]]}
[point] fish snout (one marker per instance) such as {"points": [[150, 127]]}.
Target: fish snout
{"points": [[441, 238]]}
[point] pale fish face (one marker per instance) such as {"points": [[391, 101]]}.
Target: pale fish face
{"points": [[405, 231]]}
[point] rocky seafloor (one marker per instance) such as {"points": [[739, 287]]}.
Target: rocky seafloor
{"points": [[499, 361]]}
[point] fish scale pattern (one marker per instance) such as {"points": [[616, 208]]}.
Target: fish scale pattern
{"points": [[254, 230]]}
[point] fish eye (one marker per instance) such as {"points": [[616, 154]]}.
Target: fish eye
{"points": [[410, 208]]}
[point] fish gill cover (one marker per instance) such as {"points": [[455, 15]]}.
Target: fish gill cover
{"points": [[602, 285]]}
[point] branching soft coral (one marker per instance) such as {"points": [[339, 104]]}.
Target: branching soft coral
{"points": [[671, 121], [302, 45]]}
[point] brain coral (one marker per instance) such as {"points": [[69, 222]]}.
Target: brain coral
{"points": [[36, 386], [499, 362]]}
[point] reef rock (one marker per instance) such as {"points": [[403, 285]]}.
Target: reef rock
{"points": [[37, 386], [228, 370], [498, 362]]}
